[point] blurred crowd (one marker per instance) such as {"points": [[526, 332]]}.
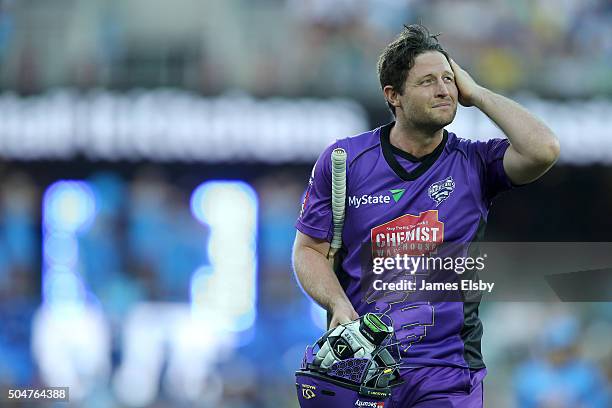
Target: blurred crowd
{"points": [[136, 260], [300, 47]]}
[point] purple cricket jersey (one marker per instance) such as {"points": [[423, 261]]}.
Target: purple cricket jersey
{"points": [[395, 198]]}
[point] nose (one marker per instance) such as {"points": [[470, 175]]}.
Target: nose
{"points": [[442, 89]]}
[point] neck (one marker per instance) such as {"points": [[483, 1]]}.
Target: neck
{"points": [[416, 141]]}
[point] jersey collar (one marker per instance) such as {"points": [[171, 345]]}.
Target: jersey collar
{"points": [[389, 152]]}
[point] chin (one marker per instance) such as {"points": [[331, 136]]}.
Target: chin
{"points": [[439, 123], [445, 120], [436, 122]]}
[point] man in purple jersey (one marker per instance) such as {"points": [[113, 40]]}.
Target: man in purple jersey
{"points": [[411, 187]]}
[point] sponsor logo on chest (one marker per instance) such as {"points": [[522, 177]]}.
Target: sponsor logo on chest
{"points": [[393, 196], [409, 234]]}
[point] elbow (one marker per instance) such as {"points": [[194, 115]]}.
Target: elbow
{"points": [[550, 151], [555, 149]]}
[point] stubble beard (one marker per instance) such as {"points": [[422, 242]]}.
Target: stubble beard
{"points": [[431, 121]]}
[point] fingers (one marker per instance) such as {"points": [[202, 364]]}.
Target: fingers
{"points": [[343, 315], [455, 67], [338, 320]]}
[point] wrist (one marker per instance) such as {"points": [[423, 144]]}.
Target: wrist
{"points": [[339, 305], [481, 97]]}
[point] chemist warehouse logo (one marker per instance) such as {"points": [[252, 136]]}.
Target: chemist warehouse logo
{"points": [[369, 199], [412, 235]]}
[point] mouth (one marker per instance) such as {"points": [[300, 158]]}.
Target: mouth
{"points": [[442, 105]]}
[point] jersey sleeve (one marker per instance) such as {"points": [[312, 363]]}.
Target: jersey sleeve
{"points": [[489, 158], [315, 218]]}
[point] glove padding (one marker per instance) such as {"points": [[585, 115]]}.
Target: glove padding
{"points": [[357, 339]]}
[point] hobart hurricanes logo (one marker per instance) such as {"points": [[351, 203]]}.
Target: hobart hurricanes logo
{"points": [[369, 199], [409, 234], [440, 190]]}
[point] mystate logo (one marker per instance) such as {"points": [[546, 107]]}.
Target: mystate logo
{"points": [[369, 199]]}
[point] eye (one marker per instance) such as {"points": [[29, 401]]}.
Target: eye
{"points": [[449, 78], [427, 81]]}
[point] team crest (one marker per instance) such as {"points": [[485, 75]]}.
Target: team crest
{"points": [[440, 190]]}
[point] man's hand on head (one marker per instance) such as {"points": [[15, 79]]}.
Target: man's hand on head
{"points": [[470, 93]]}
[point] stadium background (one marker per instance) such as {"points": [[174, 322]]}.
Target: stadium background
{"points": [[153, 156]]}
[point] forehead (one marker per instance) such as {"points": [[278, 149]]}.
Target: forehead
{"points": [[430, 62]]}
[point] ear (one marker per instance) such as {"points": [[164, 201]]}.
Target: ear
{"points": [[392, 96]]}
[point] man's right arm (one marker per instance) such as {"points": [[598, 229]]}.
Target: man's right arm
{"points": [[315, 275]]}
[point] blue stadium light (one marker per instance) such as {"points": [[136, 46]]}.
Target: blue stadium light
{"points": [[69, 206], [216, 200], [63, 285], [225, 291], [61, 248], [245, 321], [198, 285]]}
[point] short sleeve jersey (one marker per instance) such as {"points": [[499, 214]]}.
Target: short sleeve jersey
{"points": [[442, 197]]}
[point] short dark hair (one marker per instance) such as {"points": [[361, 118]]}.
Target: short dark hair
{"points": [[397, 59]]}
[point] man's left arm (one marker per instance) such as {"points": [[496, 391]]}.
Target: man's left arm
{"points": [[534, 148]]}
